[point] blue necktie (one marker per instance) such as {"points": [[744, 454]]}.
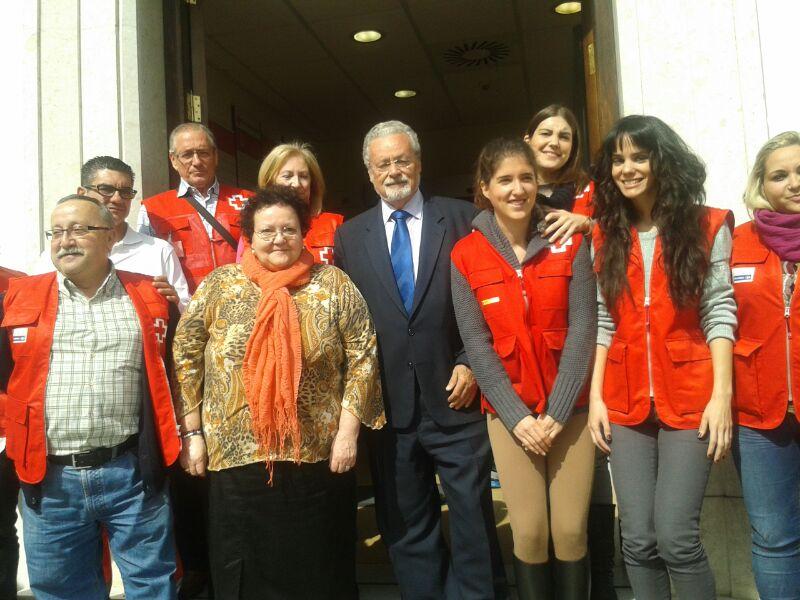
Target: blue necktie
{"points": [[402, 263]]}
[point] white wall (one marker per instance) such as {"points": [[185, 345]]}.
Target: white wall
{"points": [[83, 78], [721, 72]]}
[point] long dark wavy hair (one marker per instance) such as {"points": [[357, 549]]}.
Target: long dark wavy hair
{"points": [[678, 212]]}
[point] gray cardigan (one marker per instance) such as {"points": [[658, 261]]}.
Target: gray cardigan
{"points": [[576, 357]]}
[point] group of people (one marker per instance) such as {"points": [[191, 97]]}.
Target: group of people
{"points": [[190, 396]]}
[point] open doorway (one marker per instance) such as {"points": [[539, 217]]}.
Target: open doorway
{"points": [[269, 72]]}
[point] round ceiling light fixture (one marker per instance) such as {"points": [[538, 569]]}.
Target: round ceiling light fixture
{"points": [[366, 36], [405, 93], [567, 8]]}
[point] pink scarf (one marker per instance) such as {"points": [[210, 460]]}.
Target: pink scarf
{"points": [[780, 232]]}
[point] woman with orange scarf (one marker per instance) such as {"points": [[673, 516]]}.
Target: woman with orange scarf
{"points": [[276, 365]]}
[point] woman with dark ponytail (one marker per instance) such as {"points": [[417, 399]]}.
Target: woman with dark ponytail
{"points": [[662, 382]]}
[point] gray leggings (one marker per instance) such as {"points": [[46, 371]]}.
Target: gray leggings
{"points": [[660, 477]]}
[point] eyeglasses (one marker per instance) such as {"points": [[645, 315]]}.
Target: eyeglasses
{"points": [[269, 235], [107, 191], [401, 163], [187, 156], [76, 231]]}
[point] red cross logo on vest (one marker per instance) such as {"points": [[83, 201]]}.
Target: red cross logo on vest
{"points": [[326, 255], [237, 201], [160, 325]]}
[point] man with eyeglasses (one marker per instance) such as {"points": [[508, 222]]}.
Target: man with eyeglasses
{"points": [[398, 255], [110, 181], [201, 217], [90, 424]]}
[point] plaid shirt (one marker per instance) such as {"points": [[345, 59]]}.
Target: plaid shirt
{"points": [[94, 382]]}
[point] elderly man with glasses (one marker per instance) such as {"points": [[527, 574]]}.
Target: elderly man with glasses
{"points": [[90, 425], [201, 217]]}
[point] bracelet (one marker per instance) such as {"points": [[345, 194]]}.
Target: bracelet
{"points": [[188, 434]]}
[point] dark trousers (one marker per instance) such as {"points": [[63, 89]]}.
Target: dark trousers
{"points": [[293, 539], [9, 545], [404, 465], [190, 509]]}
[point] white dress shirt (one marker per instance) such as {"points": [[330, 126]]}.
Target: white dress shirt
{"points": [[140, 253], [208, 200], [414, 223]]}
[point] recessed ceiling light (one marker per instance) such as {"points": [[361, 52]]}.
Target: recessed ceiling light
{"points": [[568, 8], [405, 93], [367, 36]]}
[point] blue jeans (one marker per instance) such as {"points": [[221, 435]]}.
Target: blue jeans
{"points": [[769, 466], [62, 533]]}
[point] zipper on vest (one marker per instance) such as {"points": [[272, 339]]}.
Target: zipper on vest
{"points": [[786, 314], [647, 344], [524, 293]]}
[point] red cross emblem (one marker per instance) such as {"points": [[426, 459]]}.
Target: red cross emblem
{"points": [[160, 325], [326, 255], [237, 201]]}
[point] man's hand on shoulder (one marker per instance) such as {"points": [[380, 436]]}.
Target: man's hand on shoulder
{"points": [[164, 288], [462, 388]]}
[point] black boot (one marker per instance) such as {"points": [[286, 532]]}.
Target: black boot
{"points": [[572, 579], [534, 581], [601, 551]]}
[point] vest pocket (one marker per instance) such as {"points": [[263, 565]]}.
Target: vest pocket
{"points": [[745, 376], [615, 379], [21, 325], [692, 378], [488, 287], [506, 348], [16, 428]]}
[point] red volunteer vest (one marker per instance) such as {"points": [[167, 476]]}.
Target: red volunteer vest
{"points": [[584, 204], [175, 220], [5, 276], [30, 309], [528, 341], [682, 378], [319, 239], [768, 334]]}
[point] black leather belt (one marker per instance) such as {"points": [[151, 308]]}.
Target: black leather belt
{"points": [[91, 459]]}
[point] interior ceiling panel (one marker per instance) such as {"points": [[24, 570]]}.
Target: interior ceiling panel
{"points": [[472, 62], [443, 22]]}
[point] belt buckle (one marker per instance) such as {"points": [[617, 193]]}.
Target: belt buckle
{"points": [[76, 460]]}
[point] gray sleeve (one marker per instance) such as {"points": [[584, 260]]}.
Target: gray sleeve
{"points": [[489, 371], [576, 357], [605, 323], [717, 304]]}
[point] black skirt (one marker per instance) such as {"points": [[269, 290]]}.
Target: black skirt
{"points": [[294, 539]]}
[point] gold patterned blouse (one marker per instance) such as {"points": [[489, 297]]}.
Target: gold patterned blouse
{"points": [[340, 364]]}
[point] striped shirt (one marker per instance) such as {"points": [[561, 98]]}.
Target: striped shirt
{"points": [[93, 393]]}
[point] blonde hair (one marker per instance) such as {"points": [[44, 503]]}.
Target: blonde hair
{"points": [[272, 163], [754, 191]]}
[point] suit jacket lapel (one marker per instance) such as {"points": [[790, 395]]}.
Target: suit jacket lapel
{"points": [[378, 252], [433, 228]]}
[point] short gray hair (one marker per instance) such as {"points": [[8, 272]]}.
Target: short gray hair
{"points": [[390, 128], [754, 191], [105, 215], [184, 127]]}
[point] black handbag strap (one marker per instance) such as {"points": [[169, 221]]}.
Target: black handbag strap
{"points": [[226, 235]]}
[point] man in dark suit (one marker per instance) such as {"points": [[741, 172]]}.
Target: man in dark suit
{"points": [[398, 254]]}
